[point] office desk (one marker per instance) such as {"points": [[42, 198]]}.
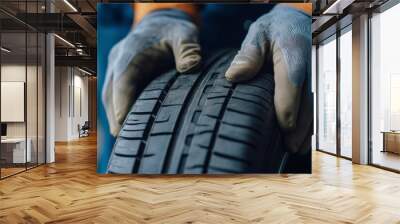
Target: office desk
{"points": [[391, 141], [13, 150]]}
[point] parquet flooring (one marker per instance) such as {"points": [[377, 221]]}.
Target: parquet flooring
{"points": [[10, 171], [69, 191]]}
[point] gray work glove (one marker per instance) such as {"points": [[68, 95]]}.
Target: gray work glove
{"points": [[283, 37], [158, 40]]}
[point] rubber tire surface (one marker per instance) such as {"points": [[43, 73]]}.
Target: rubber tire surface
{"points": [[201, 123]]}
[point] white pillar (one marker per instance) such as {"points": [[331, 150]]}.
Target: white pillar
{"points": [[360, 90], [50, 92], [50, 98]]}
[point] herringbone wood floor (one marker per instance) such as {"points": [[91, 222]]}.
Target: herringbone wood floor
{"points": [[70, 191]]}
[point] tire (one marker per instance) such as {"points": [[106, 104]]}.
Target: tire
{"points": [[201, 123]]}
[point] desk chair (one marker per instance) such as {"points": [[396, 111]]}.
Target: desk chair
{"points": [[84, 130]]}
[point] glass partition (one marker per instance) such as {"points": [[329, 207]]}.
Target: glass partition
{"points": [[14, 153], [22, 77], [32, 95]]}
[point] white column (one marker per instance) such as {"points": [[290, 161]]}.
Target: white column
{"points": [[360, 90], [50, 99], [50, 92]]}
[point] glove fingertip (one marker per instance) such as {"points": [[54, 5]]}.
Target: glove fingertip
{"points": [[236, 78], [114, 130], [230, 76], [239, 73], [188, 64]]}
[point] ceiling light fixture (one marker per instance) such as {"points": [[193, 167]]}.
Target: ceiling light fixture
{"points": [[64, 40], [80, 51], [70, 5], [333, 6], [337, 7], [84, 71], [5, 50]]}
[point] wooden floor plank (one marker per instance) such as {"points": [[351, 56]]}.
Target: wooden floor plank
{"points": [[70, 191]]}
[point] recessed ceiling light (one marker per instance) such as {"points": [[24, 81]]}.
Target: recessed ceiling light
{"points": [[333, 6], [64, 40], [70, 5], [5, 49], [337, 7], [84, 71]]}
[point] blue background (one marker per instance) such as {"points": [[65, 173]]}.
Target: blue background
{"points": [[222, 26]]}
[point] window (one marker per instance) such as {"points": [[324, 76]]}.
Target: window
{"points": [[346, 92], [385, 89], [327, 96], [313, 88]]}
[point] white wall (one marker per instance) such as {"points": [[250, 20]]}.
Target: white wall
{"points": [[80, 84], [71, 94], [13, 73], [61, 103], [10, 73]]}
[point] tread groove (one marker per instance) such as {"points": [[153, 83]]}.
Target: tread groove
{"points": [[250, 94], [180, 121], [227, 156], [178, 158], [245, 113], [257, 86], [242, 126], [251, 145], [202, 79], [249, 101], [151, 122], [217, 126]]}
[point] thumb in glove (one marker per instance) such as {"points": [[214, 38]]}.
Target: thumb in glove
{"points": [[282, 36]]}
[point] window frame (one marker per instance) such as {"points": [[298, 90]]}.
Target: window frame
{"points": [[333, 37]]}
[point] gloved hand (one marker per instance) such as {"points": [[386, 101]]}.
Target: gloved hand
{"points": [[282, 36], [151, 47]]}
